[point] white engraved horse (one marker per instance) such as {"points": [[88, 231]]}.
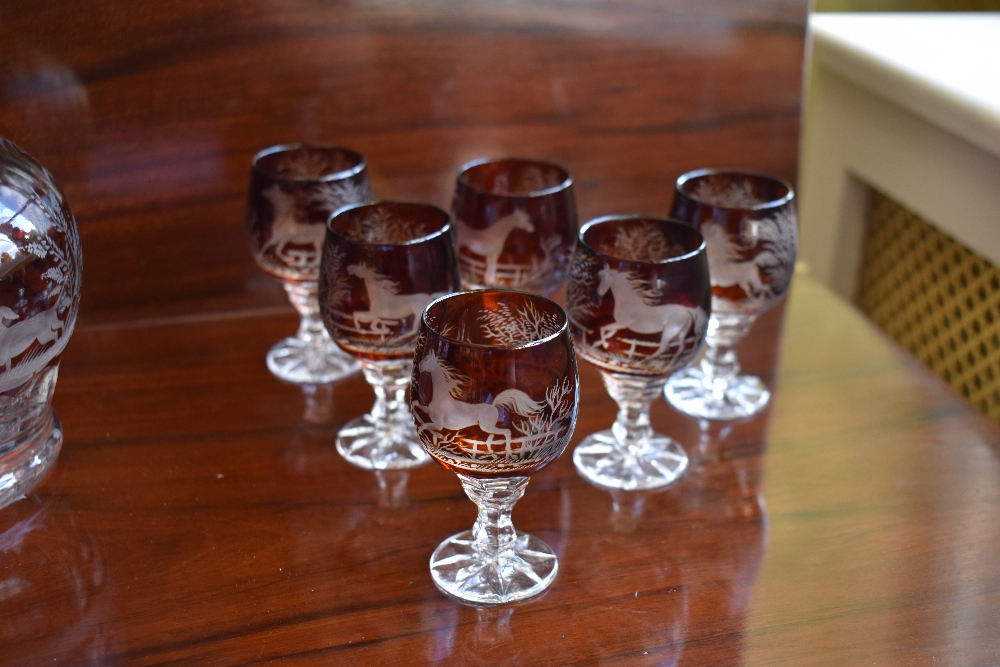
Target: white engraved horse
{"points": [[448, 411], [632, 312], [288, 230], [45, 327], [489, 242], [386, 304], [727, 268]]}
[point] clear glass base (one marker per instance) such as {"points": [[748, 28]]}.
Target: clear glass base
{"points": [[493, 563], [459, 570], [317, 361], [373, 445], [630, 455], [715, 389], [654, 462], [27, 465], [310, 356], [385, 438], [711, 396]]}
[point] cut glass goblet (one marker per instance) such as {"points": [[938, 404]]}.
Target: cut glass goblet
{"points": [[382, 264], [638, 300], [749, 224], [293, 191], [494, 395], [515, 224]]}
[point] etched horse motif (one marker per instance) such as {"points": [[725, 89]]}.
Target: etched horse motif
{"points": [[448, 411], [386, 304], [16, 338], [632, 311], [287, 230], [490, 242], [727, 268]]}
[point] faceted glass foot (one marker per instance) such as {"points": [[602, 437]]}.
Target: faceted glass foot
{"points": [[385, 445], [493, 563], [720, 397], [652, 463], [23, 468], [316, 361], [460, 569]]}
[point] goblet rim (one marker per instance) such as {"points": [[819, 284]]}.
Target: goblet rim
{"points": [[444, 229], [562, 330], [361, 165], [563, 185], [674, 222], [711, 171]]}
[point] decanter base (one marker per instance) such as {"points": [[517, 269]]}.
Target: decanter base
{"points": [[299, 361], [462, 572], [380, 446], [655, 463], [735, 397], [25, 467]]}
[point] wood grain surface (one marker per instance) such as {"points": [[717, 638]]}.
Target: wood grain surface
{"points": [[199, 513], [148, 113]]}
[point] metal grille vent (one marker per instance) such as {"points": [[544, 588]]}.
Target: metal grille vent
{"points": [[938, 299]]}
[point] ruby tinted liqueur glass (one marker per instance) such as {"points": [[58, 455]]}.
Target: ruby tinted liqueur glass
{"points": [[749, 224], [515, 224], [382, 264], [293, 191], [494, 395], [638, 300]]}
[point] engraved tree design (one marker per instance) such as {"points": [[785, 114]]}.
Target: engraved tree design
{"points": [[535, 178], [331, 196], [779, 235], [528, 178], [737, 194], [547, 425], [309, 164], [381, 226], [541, 269], [644, 243], [516, 328], [583, 282], [334, 276]]}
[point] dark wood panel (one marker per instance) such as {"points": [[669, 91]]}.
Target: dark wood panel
{"points": [[149, 114]]}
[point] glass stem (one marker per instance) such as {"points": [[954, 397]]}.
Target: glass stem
{"points": [[305, 298], [389, 380], [720, 362], [493, 531], [634, 395]]}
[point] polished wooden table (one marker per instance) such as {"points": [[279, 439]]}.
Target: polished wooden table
{"points": [[199, 513]]}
